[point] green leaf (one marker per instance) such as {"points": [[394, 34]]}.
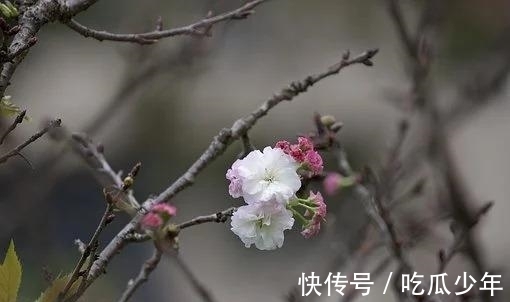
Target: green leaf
{"points": [[10, 276], [57, 286], [7, 108]]}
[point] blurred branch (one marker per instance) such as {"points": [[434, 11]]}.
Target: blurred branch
{"points": [[204, 293], [200, 28], [401, 27], [216, 148], [438, 151], [33, 138], [484, 84], [460, 237], [18, 120], [146, 269]]}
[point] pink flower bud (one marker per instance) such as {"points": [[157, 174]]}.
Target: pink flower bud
{"points": [[152, 221], [158, 216], [313, 160], [164, 210], [305, 144], [332, 182], [318, 217], [284, 145]]}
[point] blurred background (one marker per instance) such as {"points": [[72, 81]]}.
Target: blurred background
{"points": [[161, 104]]}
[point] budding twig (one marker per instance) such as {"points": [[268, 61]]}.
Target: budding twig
{"points": [[200, 28]]}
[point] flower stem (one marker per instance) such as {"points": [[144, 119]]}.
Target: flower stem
{"points": [[299, 216]]}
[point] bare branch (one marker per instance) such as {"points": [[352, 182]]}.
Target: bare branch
{"points": [[146, 269], [33, 138], [219, 217], [200, 28], [401, 27], [88, 251], [204, 293], [460, 237]]}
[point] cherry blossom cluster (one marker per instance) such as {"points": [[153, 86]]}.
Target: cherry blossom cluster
{"points": [[268, 181], [158, 216]]}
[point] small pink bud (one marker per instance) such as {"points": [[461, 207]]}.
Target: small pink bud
{"points": [[164, 209], [152, 221], [284, 145], [305, 144], [319, 216], [332, 182], [314, 161]]}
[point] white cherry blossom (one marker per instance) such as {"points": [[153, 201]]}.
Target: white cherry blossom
{"points": [[263, 176], [262, 224]]}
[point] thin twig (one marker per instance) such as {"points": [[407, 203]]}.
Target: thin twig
{"points": [[146, 269], [87, 252], [18, 120], [33, 138], [204, 293], [200, 28], [401, 26], [219, 217]]}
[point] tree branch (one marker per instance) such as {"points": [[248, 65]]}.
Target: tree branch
{"points": [[146, 269], [33, 138], [88, 251], [200, 28], [219, 217]]}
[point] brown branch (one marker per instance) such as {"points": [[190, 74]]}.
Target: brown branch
{"points": [[200, 28], [88, 252], [219, 217], [204, 293], [18, 120], [147, 268], [216, 148], [460, 238], [401, 27], [33, 138], [30, 22]]}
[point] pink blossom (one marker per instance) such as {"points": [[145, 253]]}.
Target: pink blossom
{"points": [[319, 215], [311, 231], [305, 144], [164, 210], [304, 153], [332, 183], [152, 221], [313, 160], [158, 216], [235, 188], [297, 153], [284, 145]]}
